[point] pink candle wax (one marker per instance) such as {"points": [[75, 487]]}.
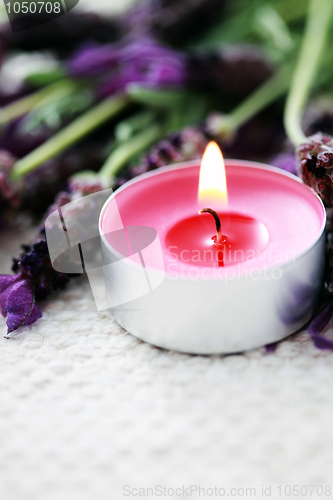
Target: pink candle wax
{"points": [[271, 217]]}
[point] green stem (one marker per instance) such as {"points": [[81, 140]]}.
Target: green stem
{"points": [[319, 15], [267, 93], [120, 156], [42, 78], [46, 95], [71, 134], [127, 128], [291, 11]]}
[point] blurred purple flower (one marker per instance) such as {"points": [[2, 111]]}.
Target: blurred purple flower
{"points": [[285, 161], [93, 60], [142, 61]]}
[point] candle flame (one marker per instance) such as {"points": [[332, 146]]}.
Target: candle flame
{"points": [[212, 180]]}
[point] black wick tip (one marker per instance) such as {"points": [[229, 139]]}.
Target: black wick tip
{"points": [[217, 222]]}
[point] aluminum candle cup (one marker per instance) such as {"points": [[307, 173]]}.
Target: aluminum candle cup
{"points": [[170, 285]]}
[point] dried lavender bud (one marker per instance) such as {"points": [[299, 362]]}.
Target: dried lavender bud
{"points": [[40, 188], [17, 301], [329, 253], [19, 144], [315, 164], [235, 70], [42, 185], [189, 144], [62, 34], [35, 278]]}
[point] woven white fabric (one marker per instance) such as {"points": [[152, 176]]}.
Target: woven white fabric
{"points": [[86, 409]]}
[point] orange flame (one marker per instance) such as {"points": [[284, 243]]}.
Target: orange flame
{"points": [[212, 180]]}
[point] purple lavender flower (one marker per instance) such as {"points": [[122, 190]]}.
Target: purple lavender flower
{"points": [[35, 278], [94, 59], [17, 301], [143, 61], [236, 70]]}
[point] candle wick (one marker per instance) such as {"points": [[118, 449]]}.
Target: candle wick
{"points": [[219, 238]]}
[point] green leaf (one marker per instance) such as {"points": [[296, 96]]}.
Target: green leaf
{"points": [[43, 78]]}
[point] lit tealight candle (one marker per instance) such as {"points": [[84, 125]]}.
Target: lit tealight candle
{"points": [[234, 267], [237, 236]]}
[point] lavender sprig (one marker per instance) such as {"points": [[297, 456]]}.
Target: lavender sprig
{"points": [[145, 61], [35, 279], [142, 61]]}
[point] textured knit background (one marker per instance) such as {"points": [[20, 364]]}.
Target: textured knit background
{"points": [[85, 409]]}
